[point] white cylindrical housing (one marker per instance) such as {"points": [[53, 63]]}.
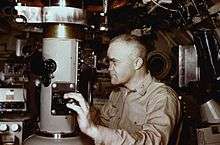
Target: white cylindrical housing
{"points": [[64, 51]]}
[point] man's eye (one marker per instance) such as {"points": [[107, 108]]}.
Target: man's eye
{"points": [[112, 62]]}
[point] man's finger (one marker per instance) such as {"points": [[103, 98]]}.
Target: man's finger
{"points": [[76, 108], [68, 95], [78, 97]]}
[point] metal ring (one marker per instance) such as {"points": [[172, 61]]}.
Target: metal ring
{"points": [[58, 135], [161, 59]]}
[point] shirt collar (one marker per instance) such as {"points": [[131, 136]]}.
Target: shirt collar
{"points": [[142, 87]]}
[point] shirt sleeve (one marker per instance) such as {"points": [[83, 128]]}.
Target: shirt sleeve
{"points": [[108, 110], [163, 115]]}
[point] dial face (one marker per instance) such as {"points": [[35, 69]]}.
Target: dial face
{"points": [[14, 127], [3, 127]]}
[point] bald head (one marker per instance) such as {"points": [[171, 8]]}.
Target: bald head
{"points": [[129, 45]]}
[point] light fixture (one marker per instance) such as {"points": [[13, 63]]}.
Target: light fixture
{"points": [[19, 18]]}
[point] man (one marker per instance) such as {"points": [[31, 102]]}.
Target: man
{"points": [[142, 111]]}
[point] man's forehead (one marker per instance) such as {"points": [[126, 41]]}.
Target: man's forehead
{"points": [[118, 50]]}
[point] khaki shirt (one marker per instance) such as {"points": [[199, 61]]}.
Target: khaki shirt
{"points": [[147, 115]]}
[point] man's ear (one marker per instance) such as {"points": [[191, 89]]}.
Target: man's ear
{"points": [[139, 62]]}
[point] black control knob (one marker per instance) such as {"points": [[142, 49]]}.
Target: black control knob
{"points": [[49, 66]]}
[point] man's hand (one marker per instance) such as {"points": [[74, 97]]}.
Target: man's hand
{"points": [[84, 120]]}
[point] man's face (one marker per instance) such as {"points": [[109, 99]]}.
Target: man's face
{"points": [[121, 67]]}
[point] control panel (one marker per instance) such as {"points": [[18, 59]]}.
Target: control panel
{"points": [[12, 99], [58, 106]]}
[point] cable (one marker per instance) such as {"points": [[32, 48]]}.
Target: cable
{"points": [[159, 5]]}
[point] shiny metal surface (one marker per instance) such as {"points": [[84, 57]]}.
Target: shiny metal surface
{"points": [[58, 135], [188, 65], [63, 31], [210, 112], [40, 140], [66, 3], [61, 14]]}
